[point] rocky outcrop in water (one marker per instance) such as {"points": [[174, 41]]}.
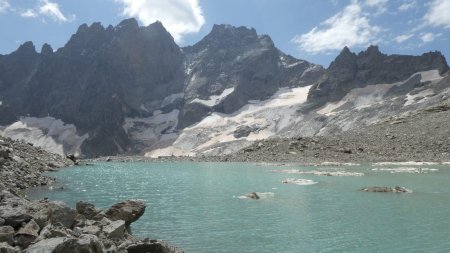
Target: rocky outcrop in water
{"points": [[396, 189]]}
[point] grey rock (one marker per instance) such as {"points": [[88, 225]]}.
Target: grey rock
{"points": [[6, 248], [153, 246], [396, 189], [14, 217], [47, 245], [52, 232], [93, 230], [27, 234], [85, 244], [128, 211], [2, 221], [7, 234], [87, 209], [116, 229], [244, 131], [61, 213], [252, 195]]}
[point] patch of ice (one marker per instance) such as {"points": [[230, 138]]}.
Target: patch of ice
{"points": [[430, 75], [411, 170], [48, 133], [298, 181], [214, 100], [411, 163], [322, 173]]}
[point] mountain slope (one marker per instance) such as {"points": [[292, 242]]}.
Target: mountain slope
{"points": [[127, 88], [347, 105]]}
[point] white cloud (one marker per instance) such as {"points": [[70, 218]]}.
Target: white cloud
{"points": [[46, 8], [379, 4], [4, 5], [429, 37], [407, 5], [51, 10], [29, 14], [180, 17], [438, 14], [350, 27], [403, 38]]}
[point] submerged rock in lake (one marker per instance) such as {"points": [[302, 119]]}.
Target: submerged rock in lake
{"points": [[252, 195], [396, 189]]}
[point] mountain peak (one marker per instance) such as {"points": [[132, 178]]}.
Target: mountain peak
{"points": [[230, 29], [128, 24], [27, 47], [46, 49]]}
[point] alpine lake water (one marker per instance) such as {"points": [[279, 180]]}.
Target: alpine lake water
{"points": [[196, 206]]}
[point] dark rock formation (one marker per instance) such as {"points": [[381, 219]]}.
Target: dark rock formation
{"points": [[350, 70], [238, 58]]}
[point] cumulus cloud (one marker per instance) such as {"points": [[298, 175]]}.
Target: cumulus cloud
{"points": [[403, 38], [180, 17], [438, 14], [52, 10], [429, 37], [407, 5], [46, 8], [350, 27], [4, 5]]}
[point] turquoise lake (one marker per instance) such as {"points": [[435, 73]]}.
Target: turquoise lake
{"points": [[196, 206]]}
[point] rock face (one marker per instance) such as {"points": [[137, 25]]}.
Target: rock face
{"points": [[350, 70], [233, 65], [130, 89], [104, 75]]}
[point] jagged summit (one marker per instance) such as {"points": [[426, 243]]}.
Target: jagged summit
{"points": [[46, 50], [26, 48], [350, 70], [127, 88]]}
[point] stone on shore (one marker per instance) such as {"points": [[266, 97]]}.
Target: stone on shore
{"points": [[116, 229], [128, 211], [7, 234], [6, 248], [87, 209]]}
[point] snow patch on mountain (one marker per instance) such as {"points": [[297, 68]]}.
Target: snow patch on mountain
{"points": [[48, 133], [267, 118], [215, 99]]}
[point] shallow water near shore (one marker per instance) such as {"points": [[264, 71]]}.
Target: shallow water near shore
{"points": [[197, 206]]}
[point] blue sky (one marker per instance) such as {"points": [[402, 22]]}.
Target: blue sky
{"points": [[308, 29]]}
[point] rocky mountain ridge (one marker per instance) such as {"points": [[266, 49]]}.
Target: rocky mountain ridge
{"points": [[132, 90]]}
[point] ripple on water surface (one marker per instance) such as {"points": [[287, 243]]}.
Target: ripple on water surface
{"points": [[194, 206]]}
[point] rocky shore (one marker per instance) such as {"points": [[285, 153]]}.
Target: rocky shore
{"points": [[46, 226]]}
